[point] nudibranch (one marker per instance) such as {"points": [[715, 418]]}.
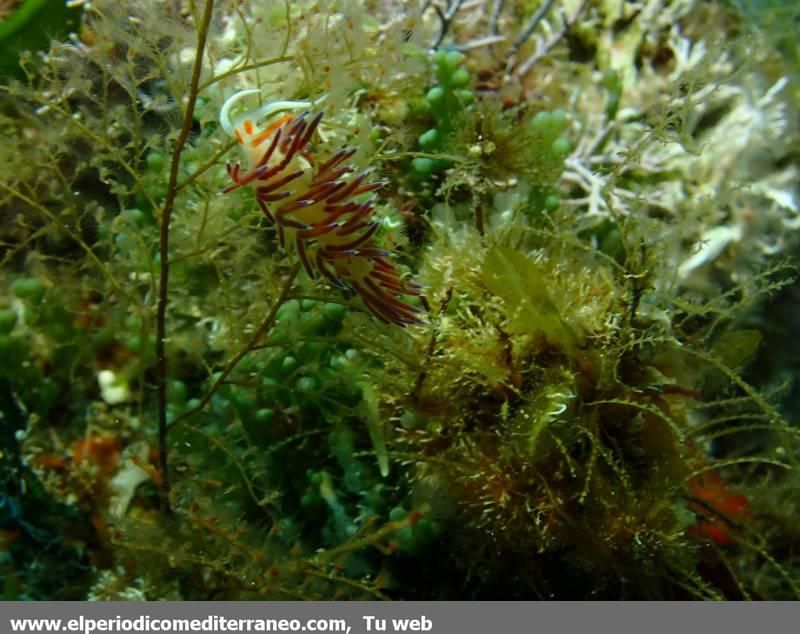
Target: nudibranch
{"points": [[318, 207]]}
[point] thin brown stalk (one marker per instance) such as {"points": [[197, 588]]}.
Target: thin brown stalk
{"points": [[163, 288], [251, 344]]}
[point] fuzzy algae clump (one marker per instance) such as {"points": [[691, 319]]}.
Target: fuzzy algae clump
{"points": [[483, 315]]}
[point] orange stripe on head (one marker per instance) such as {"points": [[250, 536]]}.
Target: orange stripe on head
{"points": [[248, 127], [263, 136], [239, 137]]}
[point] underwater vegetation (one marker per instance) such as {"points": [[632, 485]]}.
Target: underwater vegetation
{"points": [[333, 299]]}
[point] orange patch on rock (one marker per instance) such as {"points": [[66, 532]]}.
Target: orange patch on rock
{"points": [[102, 450], [716, 503]]}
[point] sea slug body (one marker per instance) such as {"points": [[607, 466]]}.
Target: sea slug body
{"points": [[317, 207]]}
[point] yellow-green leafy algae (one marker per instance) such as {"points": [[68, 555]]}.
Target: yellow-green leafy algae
{"points": [[591, 209]]}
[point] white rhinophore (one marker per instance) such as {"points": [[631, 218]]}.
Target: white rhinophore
{"points": [[267, 110]]}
